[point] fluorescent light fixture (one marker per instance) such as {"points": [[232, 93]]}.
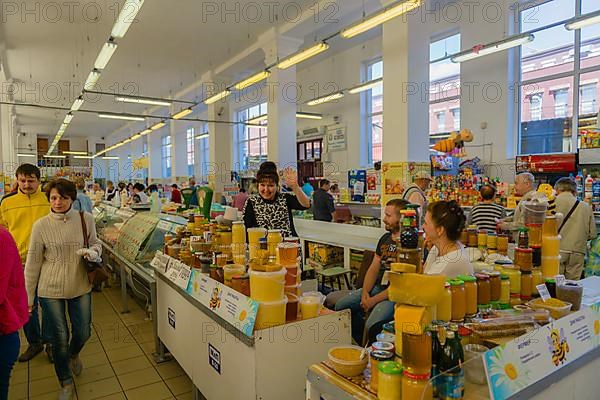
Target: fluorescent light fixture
{"points": [[217, 97], [494, 47], [107, 51], [258, 119], [92, 80], [303, 55], [49, 156], [136, 136], [325, 99], [583, 21], [83, 157], [182, 113], [26, 155], [142, 100], [365, 86], [77, 153], [252, 80], [110, 158], [128, 140], [145, 132], [126, 17], [202, 135], [380, 17], [157, 125], [77, 104], [306, 115], [68, 118], [121, 116]]}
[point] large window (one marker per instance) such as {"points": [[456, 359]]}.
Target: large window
{"points": [[375, 113], [166, 156], [557, 89], [189, 147], [250, 140], [444, 86]]}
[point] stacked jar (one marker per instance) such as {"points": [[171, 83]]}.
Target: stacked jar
{"points": [[471, 294], [288, 259], [484, 290], [550, 248], [417, 363], [267, 288], [524, 261], [238, 242], [514, 277], [254, 236]]}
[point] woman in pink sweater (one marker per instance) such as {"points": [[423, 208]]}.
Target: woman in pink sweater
{"points": [[13, 307]]}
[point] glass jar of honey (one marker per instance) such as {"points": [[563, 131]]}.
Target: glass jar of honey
{"points": [[416, 387], [482, 239], [464, 237], [390, 381], [524, 259], [376, 357], [537, 278], [535, 235], [416, 352], [495, 285], [444, 307], [515, 300], [504, 290], [491, 241], [484, 290], [550, 227], [459, 299], [472, 234], [526, 286], [514, 276], [502, 244], [471, 293]]}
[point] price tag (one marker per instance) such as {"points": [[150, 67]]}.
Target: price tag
{"points": [[543, 291], [560, 280], [174, 269], [164, 225], [184, 276]]}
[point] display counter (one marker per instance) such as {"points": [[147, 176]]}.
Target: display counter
{"points": [[225, 363], [349, 237], [129, 240]]}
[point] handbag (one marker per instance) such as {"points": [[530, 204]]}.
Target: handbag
{"points": [[96, 272]]}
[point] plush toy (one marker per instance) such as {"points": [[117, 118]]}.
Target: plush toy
{"points": [[454, 145]]}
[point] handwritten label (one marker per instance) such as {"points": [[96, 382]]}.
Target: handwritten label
{"points": [[560, 280], [543, 291], [183, 279]]}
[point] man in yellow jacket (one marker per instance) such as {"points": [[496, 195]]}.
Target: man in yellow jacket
{"points": [[18, 212]]}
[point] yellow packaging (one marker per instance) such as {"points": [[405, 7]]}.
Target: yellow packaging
{"points": [[416, 289], [411, 319], [267, 286], [270, 314]]}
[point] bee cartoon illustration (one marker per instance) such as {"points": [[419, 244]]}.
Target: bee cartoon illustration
{"points": [[215, 300], [558, 346]]}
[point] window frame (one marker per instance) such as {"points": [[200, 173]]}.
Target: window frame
{"points": [[243, 139], [190, 137], [166, 154], [575, 74], [369, 114]]}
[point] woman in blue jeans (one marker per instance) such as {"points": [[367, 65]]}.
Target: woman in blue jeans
{"points": [[13, 307], [55, 266]]}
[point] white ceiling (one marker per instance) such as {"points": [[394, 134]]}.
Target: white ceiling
{"points": [[168, 49]]}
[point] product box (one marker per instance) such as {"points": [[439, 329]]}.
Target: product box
{"points": [[325, 255]]}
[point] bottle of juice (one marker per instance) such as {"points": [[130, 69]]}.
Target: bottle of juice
{"points": [[452, 383], [589, 182]]}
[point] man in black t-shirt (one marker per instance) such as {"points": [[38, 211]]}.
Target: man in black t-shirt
{"points": [[322, 203], [373, 296]]}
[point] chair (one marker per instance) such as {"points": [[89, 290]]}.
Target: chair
{"points": [[333, 297]]}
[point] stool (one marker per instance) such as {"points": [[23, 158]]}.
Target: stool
{"points": [[334, 274]]}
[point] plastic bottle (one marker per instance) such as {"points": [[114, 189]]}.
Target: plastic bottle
{"points": [[589, 182], [579, 183], [451, 382], [596, 195]]}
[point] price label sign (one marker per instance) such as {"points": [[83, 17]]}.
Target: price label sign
{"points": [[560, 280], [543, 291]]}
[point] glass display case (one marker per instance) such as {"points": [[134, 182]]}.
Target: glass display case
{"points": [[109, 220]]}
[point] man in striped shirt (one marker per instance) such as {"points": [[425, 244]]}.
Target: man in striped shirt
{"points": [[486, 213]]}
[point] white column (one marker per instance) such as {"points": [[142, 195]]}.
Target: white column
{"points": [[8, 142], [220, 150], [137, 147], [405, 102], [283, 92], [178, 149], [154, 155]]}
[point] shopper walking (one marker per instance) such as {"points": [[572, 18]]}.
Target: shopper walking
{"points": [[13, 307], [83, 202], [373, 296], [175, 194], [18, 212], [323, 207], [578, 226], [55, 266], [270, 208], [415, 193], [487, 213], [307, 188], [139, 197], [444, 220]]}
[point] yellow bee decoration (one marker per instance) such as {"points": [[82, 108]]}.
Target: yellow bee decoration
{"points": [[558, 346], [215, 300]]}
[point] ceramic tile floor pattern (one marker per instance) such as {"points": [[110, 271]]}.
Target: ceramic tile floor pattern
{"points": [[117, 361]]}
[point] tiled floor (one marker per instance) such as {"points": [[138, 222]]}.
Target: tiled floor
{"points": [[117, 361]]}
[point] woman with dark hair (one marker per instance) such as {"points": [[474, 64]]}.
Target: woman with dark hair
{"points": [[55, 267], [270, 208], [13, 307], [444, 220]]}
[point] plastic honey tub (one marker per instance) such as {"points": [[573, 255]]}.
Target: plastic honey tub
{"points": [[267, 286], [310, 304], [270, 314], [231, 270]]}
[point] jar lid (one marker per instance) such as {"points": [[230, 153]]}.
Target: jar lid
{"points": [[416, 377], [495, 305], [467, 278], [464, 331], [456, 282], [494, 274], [523, 250], [504, 277], [238, 222], [523, 229], [389, 327], [503, 262], [491, 234], [383, 346], [390, 368], [550, 280], [482, 276], [382, 355], [274, 231], [472, 227]]}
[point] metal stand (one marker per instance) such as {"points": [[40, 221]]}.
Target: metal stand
{"points": [[159, 355]]}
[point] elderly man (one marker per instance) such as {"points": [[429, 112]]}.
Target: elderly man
{"points": [[525, 189], [415, 193], [576, 229]]}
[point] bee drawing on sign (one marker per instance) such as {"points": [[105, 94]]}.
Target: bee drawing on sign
{"points": [[558, 346], [215, 300]]}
